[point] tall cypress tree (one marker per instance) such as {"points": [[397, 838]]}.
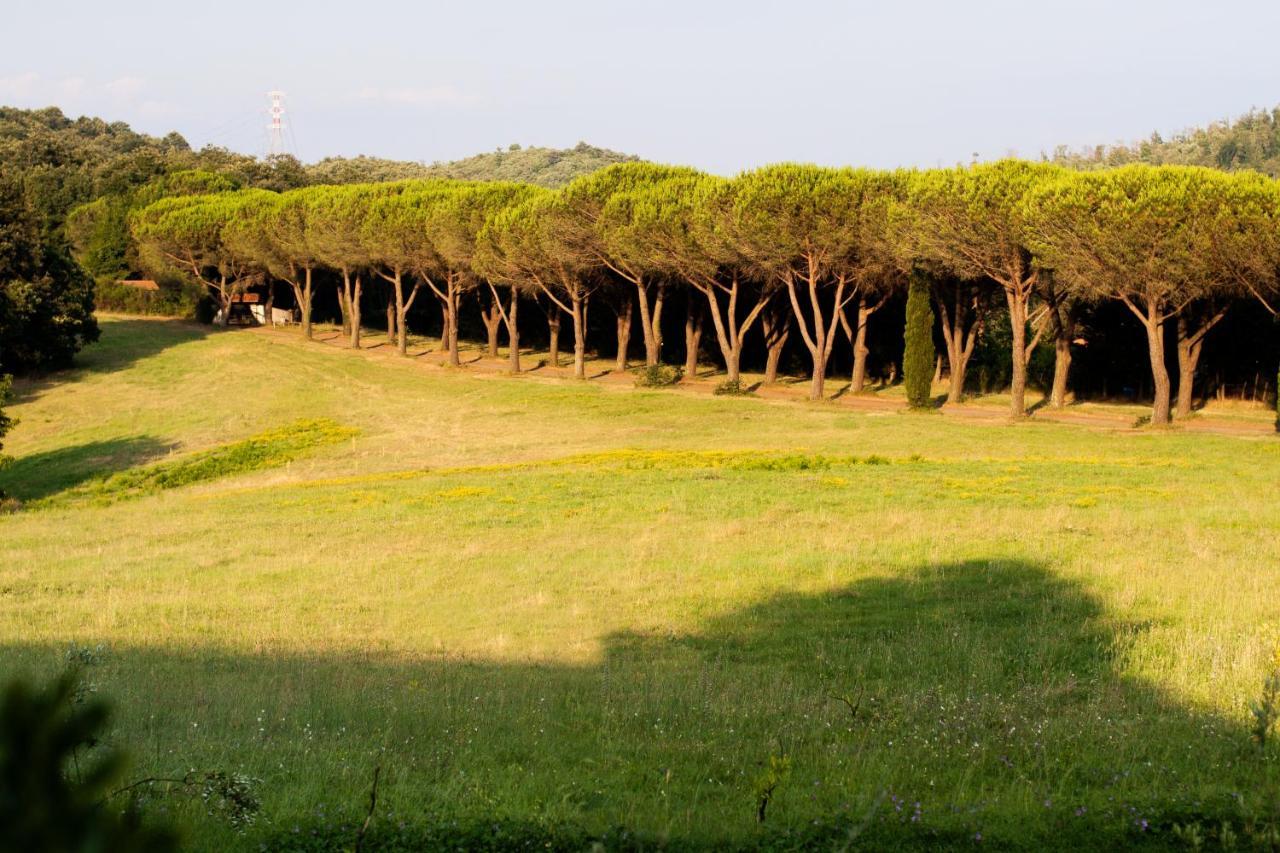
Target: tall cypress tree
{"points": [[917, 360]]}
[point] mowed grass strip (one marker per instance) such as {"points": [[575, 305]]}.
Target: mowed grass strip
{"points": [[564, 606], [260, 452]]}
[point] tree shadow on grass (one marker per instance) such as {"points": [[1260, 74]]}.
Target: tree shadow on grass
{"points": [[123, 343], [1042, 403], [40, 475], [975, 701]]}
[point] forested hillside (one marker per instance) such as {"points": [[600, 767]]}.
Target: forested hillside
{"points": [[546, 167], [1249, 142], [80, 178], [65, 162]]}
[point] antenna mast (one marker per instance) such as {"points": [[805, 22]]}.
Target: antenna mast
{"points": [[275, 130]]}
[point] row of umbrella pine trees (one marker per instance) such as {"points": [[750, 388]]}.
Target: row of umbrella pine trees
{"points": [[817, 250]]}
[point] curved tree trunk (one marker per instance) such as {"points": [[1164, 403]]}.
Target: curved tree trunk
{"points": [[857, 335], [225, 319], [820, 338], [959, 310], [391, 321], [513, 333], [1159, 373], [1190, 345], [724, 320], [858, 377], [398, 313], [777, 328], [1188, 358], [492, 317], [651, 320]]}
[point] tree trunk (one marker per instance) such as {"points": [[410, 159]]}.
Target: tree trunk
{"points": [[444, 324], [225, 320], [391, 320], [451, 301], [513, 333], [306, 305], [818, 379], [651, 321], [858, 379], [402, 337], [623, 313], [1159, 373], [553, 333], [579, 335], [937, 370], [354, 303], [692, 336], [819, 340], [1190, 345], [777, 328], [1061, 368], [818, 374], [724, 320], [958, 372], [344, 307], [955, 300], [492, 323], [1018, 345], [271, 303]]}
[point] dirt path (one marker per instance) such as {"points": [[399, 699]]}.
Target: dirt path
{"points": [[426, 353]]}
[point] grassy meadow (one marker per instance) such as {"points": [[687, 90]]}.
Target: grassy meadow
{"points": [[554, 612]]}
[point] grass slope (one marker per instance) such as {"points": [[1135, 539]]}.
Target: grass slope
{"points": [[549, 609]]}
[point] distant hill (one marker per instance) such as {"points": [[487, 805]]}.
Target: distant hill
{"points": [[548, 167], [83, 176], [65, 162], [1249, 142]]}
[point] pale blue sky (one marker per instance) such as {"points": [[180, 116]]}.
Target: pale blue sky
{"points": [[720, 85]]}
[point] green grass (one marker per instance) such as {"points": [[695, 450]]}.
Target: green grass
{"points": [[270, 449], [561, 608]]}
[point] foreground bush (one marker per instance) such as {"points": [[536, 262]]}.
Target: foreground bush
{"points": [[52, 797]]}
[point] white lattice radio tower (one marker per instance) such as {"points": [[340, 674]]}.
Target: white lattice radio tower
{"points": [[275, 130]]}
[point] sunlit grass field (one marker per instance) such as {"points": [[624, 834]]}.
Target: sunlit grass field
{"points": [[578, 611]]}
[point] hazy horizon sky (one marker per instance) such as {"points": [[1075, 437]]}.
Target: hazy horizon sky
{"points": [[719, 85]]}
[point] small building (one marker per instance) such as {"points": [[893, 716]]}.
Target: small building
{"points": [[246, 310]]}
